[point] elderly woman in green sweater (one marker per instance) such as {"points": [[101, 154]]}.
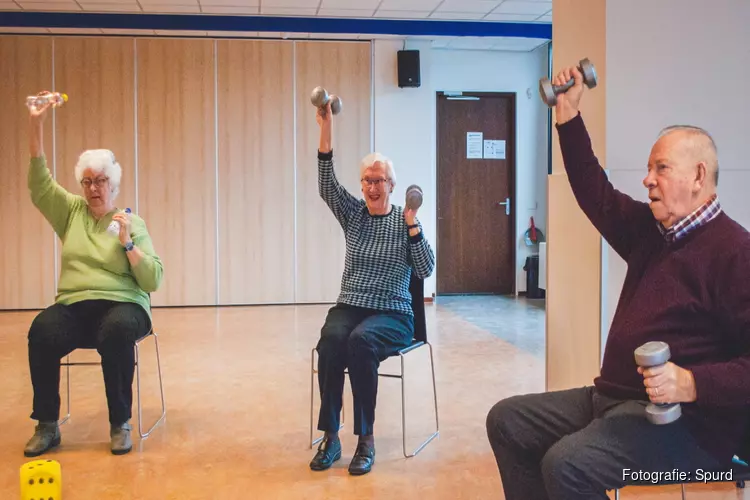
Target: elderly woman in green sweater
{"points": [[103, 293]]}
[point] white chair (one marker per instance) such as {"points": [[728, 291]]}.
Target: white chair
{"points": [[68, 363]]}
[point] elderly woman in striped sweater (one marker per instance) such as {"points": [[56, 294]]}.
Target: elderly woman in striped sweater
{"points": [[372, 318]]}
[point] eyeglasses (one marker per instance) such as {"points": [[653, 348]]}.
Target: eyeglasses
{"points": [[99, 181], [376, 182]]}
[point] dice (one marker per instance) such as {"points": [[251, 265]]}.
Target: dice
{"points": [[41, 480]]}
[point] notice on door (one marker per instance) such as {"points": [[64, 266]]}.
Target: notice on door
{"points": [[494, 150], [473, 145]]}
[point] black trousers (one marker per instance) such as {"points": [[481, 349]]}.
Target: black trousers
{"points": [[358, 339], [577, 444], [110, 327]]}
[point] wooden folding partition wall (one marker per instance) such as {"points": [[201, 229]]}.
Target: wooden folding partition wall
{"points": [[573, 340], [217, 140]]}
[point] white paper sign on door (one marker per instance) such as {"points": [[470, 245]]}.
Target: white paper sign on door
{"points": [[473, 145], [494, 150]]}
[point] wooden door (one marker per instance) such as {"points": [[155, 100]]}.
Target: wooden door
{"points": [[476, 193]]}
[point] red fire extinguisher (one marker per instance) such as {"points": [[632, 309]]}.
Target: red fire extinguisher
{"points": [[533, 235]]}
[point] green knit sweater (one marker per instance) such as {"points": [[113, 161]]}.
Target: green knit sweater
{"points": [[94, 264]]}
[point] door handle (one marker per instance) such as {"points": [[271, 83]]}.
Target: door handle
{"points": [[507, 205]]}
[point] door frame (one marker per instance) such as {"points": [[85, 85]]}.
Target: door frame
{"points": [[456, 95]]}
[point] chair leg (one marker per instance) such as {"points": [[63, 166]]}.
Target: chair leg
{"points": [[138, 382], [67, 392], [617, 494], [312, 397], [403, 406], [682, 488], [313, 371]]}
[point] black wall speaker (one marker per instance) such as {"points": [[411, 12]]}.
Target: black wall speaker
{"points": [[408, 69]]}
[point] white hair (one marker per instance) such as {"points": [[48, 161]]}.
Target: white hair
{"points": [[369, 160], [101, 161], [700, 145]]}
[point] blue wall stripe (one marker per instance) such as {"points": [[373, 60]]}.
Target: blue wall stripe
{"points": [[271, 23]]}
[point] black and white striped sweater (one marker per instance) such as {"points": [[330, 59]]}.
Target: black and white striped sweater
{"points": [[380, 254]]}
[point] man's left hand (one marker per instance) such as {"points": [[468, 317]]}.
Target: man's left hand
{"points": [[668, 384]]}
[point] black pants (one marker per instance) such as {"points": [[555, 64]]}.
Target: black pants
{"points": [[358, 339], [577, 444], [110, 327]]}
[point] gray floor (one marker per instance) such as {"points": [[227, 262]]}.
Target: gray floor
{"points": [[518, 321]]}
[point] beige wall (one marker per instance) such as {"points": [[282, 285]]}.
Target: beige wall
{"points": [[574, 246], [217, 140]]}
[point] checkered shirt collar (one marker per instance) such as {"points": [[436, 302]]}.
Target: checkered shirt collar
{"points": [[701, 216]]}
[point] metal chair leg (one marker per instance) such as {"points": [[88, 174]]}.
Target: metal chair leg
{"points": [[312, 395], [67, 384], [138, 383], [313, 371], [403, 406]]}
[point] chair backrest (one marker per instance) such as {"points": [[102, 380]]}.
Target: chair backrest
{"points": [[416, 288]]}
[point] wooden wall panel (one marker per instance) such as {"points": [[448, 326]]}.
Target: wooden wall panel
{"points": [[256, 171], [177, 164], [97, 74], [267, 237], [574, 246], [27, 279], [343, 68]]}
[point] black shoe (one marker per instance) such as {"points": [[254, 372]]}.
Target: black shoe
{"points": [[362, 461], [46, 436], [328, 452], [120, 438]]}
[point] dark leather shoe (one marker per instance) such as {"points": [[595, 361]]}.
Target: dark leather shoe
{"points": [[46, 436], [120, 438], [362, 461], [328, 452]]}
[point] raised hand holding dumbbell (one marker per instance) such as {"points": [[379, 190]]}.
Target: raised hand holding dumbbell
{"points": [[650, 355], [549, 92], [320, 99]]}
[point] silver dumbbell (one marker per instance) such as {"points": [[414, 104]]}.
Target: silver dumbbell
{"points": [[320, 99], [649, 355], [413, 197], [549, 92]]}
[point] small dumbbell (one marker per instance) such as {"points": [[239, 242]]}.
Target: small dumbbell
{"points": [[413, 197], [649, 355], [549, 92], [320, 99]]}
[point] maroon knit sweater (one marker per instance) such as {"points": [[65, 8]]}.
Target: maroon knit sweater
{"points": [[693, 294]]}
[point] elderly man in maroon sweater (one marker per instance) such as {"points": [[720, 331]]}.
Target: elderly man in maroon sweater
{"points": [[687, 284]]}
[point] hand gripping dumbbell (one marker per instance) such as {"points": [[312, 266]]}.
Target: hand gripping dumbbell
{"points": [[649, 355], [320, 99], [413, 197], [549, 92]]}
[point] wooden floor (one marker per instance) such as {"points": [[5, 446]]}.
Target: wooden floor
{"points": [[237, 384]]}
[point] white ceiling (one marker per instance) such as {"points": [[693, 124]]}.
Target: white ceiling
{"points": [[525, 11]]}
